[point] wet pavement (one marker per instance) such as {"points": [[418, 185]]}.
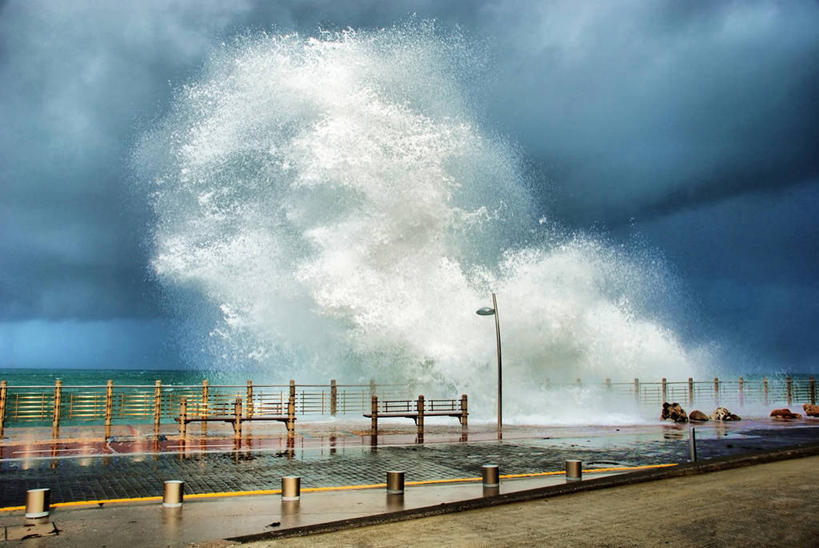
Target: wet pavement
{"points": [[133, 463]]}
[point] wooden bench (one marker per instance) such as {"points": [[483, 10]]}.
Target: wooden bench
{"points": [[236, 419], [417, 410]]}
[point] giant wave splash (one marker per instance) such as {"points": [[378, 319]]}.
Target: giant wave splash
{"points": [[337, 207]]}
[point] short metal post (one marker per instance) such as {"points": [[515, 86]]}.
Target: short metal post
{"points": [[574, 470], [157, 406], [665, 390], [237, 419], [811, 388], [38, 503], [173, 493], [55, 425], [464, 413], [490, 475], [3, 391], [420, 406], [690, 392], [291, 488], [183, 417], [765, 390], [692, 445], [789, 388], [109, 407], [637, 389], [333, 397], [741, 392], [249, 399], [395, 482], [374, 415]]}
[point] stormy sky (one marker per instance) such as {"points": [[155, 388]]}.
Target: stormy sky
{"points": [[691, 128]]}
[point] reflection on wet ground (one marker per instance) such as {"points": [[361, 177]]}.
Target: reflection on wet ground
{"points": [[335, 454]]}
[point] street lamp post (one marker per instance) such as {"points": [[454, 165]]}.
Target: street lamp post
{"points": [[486, 311]]}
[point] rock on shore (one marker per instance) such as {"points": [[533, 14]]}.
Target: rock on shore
{"points": [[722, 414], [673, 412], [810, 409], [697, 415], [785, 413]]}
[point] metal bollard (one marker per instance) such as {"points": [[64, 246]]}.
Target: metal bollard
{"points": [[490, 475], [173, 493], [291, 488], [574, 470], [692, 445], [395, 482], [38, 503]]}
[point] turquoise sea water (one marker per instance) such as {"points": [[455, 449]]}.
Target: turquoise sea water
{"points": [[41, 377], [46, 377]]}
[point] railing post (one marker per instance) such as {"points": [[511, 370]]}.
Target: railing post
{"points": [[292, 396], [578, 382], [548, 383], [374, 415], [741, 394], [811, 388], [158, 406], [608, 384], [333, 397], [3, 391], [58, 394], [690, 392], [291, 414], [249, 398], [183, 417], [789, 388], [765, 389], [716, 391], [665, 390], [421, 416], [237, 419], [637, 389], [109, 407], [205, 396], [464, 413], [373, 387]]}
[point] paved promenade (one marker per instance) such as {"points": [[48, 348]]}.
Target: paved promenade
{"points": [[332, 455]]}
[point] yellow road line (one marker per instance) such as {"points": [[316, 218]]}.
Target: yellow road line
{"points": [[223, 494]]}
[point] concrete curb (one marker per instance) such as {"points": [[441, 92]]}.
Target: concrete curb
{"points": [[687, 469]]}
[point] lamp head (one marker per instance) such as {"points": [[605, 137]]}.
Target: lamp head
{"points": [[485, 311]]}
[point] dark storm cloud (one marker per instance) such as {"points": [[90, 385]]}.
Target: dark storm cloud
{"points": [[78, 79], [670, 117], [637, 109]]}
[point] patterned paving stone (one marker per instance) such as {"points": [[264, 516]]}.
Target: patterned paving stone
{"points": [[90, 478]]}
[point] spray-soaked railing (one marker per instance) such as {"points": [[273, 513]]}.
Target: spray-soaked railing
{"points": [[738, 393], [123, 404]]}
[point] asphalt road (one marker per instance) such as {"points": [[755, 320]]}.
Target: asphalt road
{"points": [[770, 504]]}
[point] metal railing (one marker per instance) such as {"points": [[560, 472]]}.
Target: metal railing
{"points": [[78, 404], [111, 404], [737, 393]]}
